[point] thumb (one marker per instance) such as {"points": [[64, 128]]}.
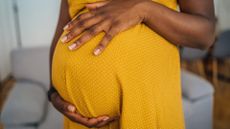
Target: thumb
{"points": [[96, 5]]}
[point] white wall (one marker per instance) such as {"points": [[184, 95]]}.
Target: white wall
{"points": [[37, 18], [7, 36], [223, 14]]}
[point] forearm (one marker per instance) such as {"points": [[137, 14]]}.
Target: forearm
{"points": [[180, 28], [64, 18]]}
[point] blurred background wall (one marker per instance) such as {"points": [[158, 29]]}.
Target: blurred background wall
{"points": [[31, 23], [35, 22]]}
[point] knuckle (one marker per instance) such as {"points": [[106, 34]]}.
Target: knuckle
{"points": [[80, 40], [101, 45], [81, 24], [80, 16], [100, 16], [92, 31], [106, 29], [109, 36], [93, 13], [70, 24], [78, 43], [101, 27], [108, 17], [101, 12], [71, 34], [108, 20], [116, 22], [83, 39]]}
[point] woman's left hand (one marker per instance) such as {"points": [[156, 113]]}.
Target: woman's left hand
{"points": [[111, 16]]}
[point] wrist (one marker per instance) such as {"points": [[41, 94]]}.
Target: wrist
{"points": [[145, 9]]}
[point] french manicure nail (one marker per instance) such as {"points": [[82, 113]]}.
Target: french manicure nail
{"points": [[72, 47], [106, 118], [97, 51], [64, 39], [66, 27], [71, 108]]}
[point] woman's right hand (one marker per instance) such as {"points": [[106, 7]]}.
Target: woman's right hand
{"points": [[70, 112]]}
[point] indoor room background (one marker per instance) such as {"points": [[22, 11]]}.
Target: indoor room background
{"points": [[26, 24]]}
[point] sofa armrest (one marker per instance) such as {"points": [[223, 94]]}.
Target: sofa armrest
{"points": [[20, 127], [195, 87], [25, 104]]}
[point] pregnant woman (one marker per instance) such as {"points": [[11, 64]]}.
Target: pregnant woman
{"points": [[120, 59]]}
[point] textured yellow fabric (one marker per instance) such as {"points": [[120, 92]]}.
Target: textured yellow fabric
{"points": [[137, 77]]}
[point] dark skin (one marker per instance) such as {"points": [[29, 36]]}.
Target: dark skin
{"points": [[193, 27], [58, 102]]}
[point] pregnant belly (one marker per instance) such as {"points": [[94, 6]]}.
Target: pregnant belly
{"points": [[93, 84]]}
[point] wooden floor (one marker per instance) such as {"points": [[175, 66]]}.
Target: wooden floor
{"points": [[221, 113], [221, 96], [222, 106]]}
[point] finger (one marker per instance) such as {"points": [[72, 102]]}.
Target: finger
{"points": [[81, 26], [82, 16], [89, 34], [62, 105], [89, 122], [77, 117], [107, 121], [105, 41], [103, 118], [99, 120], [96, 5], [70, 112]]}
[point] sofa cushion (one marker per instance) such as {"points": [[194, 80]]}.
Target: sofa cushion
{"points": [[24, 105], [186, 108], [194, 87], [201, 114], [54, 119], [31, 64]]}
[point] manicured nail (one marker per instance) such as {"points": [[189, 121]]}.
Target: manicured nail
{"points": [[106, 118], [97, 51], [73, 46], [66, 27], [64, 39], [71, 108]]}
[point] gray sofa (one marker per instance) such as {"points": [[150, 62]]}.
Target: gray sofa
{"points": [[27, 107]]}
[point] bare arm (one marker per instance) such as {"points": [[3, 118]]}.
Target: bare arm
{"points": [[193, 27], [64, 18]]}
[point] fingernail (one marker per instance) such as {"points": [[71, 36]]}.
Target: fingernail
{"points": [[71, 108], [106, 118], [72, 47], [66, 27], [97, 51], [64, 39]]}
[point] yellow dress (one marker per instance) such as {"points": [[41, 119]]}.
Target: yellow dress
{"points": [[136, 77]]}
